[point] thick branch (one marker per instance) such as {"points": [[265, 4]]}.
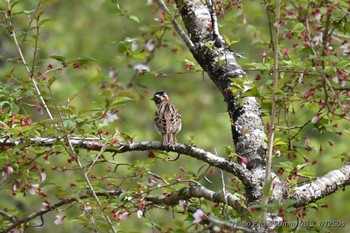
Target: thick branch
{"points": [[96, 144], [321, 187], [218, 60], [200, 192]]}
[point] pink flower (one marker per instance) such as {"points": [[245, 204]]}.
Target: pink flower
{"points": [[315, 119], [87, 207], [42, 176], [152, 181], [278, 153], [45, 206], [59, 219], [124, 215], [150, 44], [32, 188], [141, 68], [139, 213], [199, 216], [9, 169], [183, 205]]}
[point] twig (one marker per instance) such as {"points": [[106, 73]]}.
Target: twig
{"points": [[214, 21], [31, 77], [177, 26], [271, 135], [73, 154], [8, 216], [55, 206], [224, 191], [97, 157], [158, 177]]}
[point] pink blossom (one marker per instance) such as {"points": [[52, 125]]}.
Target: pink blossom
{"points": [[134, 46], [318, 15], [87, 207], [183, 205], [278, 153], [317, 40], [139, 213], [141, 67], [124, 215], [9, 169], [346, 48], [42, 176], [14, 188], [32, 188], [4, 175], [45, 206], [110, 117], [152, 181], [199, 216], [150, 45], [315, 119], [59, 219]]}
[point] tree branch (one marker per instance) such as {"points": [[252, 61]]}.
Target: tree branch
{"points": [[97, 144], [55, 206], [200, 192], [176, 25], [171, 200], [322, 186]]}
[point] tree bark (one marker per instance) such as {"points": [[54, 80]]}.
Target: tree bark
{"points": [[218, 60]]}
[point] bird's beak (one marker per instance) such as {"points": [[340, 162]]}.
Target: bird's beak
{"points": [[152, 98]]}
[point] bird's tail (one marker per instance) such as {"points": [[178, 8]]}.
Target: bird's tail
{"points": [[169, 139]]}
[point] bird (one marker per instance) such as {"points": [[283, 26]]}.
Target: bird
{"points": [[167, 119]]}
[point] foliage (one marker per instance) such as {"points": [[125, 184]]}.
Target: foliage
{"points": [[87, 69]]}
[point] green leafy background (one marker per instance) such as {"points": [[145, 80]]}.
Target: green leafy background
{"points": [[97, 38]]}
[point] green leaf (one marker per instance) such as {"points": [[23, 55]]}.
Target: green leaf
{"points": [[119, 100], [29, 12], [343, 63], [134, 18], [201, 168], [286, 165], [301, 166], [279, 142], [44, 21], [59, 58], [267, 188], [307, 173], [141, 55]]}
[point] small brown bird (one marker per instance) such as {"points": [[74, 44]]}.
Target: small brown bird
{"points": [[167, 119]]}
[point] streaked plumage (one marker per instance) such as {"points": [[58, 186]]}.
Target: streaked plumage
{"points": [[167, 119]]}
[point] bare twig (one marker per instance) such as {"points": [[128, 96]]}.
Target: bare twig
{"points": [[73, 154], [26, 65], [8, 216], [55, 206], [176, 25], [271, 135]]}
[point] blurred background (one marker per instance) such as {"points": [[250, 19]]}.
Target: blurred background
{"points": [[105, 45]]}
